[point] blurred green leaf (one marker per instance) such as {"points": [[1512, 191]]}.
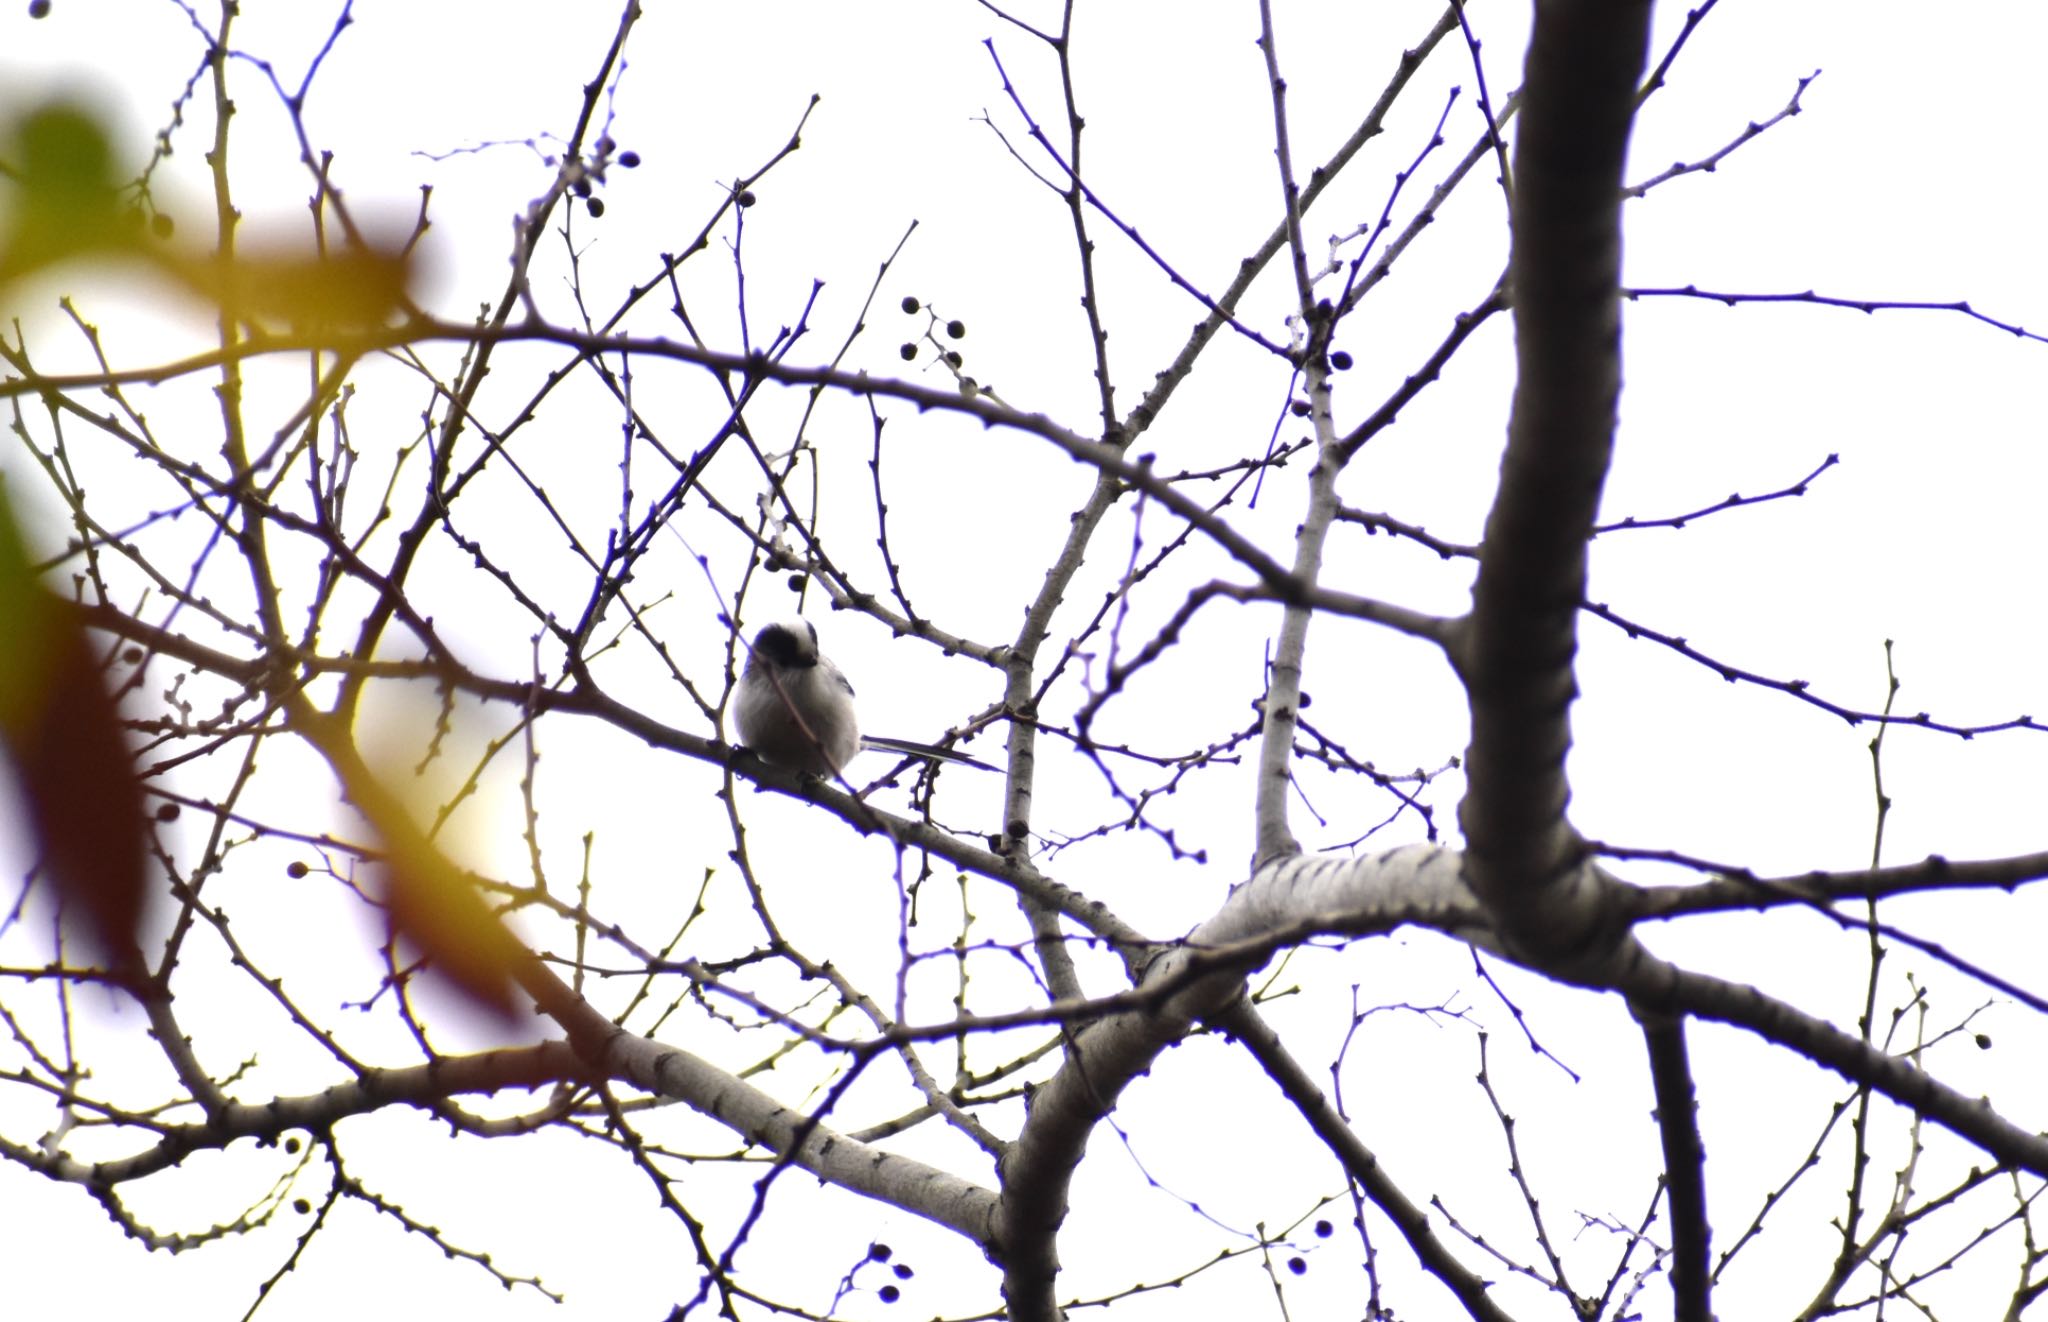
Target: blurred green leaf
{"points": [[65, 199]]}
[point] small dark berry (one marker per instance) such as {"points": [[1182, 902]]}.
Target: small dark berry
{"points": [[956, 329], [605, 145], [954, 359], [1983, 1041], [132, 655], [1297, 1266], [908, 352], [881, 1252], [301, 1206], [595, 206], [1299, 408], [910, 305], [162, 225], [746, 198], [296, 870], [167, 812], [1341, 361], [580, 188], [38, 8], [903, 1272], [291, 1145], [1322, 1230], [630, 159], [889, 1294]]}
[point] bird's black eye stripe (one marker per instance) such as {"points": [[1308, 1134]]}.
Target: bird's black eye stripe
{"points": [[780, 645], [776, 645]]}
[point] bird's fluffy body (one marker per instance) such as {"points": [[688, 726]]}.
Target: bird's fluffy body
{"points": [[794, 706]]}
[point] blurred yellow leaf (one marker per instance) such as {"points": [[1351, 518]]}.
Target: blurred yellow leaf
{"points": [[64, 202], [352, 290]]}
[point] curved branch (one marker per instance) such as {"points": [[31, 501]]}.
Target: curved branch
{"points": [[1652, 983], [1416, 883], [425, 1086], [1516, 655]]}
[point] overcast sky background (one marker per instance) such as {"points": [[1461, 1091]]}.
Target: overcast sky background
{"points": [[1912, 174]]}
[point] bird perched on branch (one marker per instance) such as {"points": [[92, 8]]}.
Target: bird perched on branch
{"points": [[795, 708]]}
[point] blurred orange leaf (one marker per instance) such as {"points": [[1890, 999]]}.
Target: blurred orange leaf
{"points": [[431, 904], [62, 731], [436, 909]]}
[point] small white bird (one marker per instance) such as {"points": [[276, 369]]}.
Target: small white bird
{"points": [[795, 708]]}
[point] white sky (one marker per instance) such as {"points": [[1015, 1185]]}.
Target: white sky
{"points": [[1911, 175]]}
